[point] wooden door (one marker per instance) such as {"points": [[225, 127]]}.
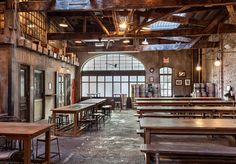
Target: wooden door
{"points": [[67, 89], [24, 112]]}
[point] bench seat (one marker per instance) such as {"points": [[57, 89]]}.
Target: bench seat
{"points": [[187, 149]]}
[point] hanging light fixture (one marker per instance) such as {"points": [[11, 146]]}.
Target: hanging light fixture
{"points": [[198, 67], [63, 24], [145, 42], [126, 41], [217, 62]]}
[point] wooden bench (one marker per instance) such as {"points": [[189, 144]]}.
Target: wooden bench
{"points": [[186, 149], [169, 115]]}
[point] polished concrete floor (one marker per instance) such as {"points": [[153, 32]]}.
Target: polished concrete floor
{"points": [[115, 143]]}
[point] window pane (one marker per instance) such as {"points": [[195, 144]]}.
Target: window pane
{"points": [[84, 89], [125, 88], [133, 78], [93, 88], [101, 89], [85, 78], [124, 78], [108, 78], [108, 89], [116, 78], [92, 78], [117, 88], [141, 78], [100, 78]]}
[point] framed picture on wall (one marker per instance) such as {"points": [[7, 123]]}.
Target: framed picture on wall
{"points": [[151, 79], [187, 82], [178, 82], [181, 74]]}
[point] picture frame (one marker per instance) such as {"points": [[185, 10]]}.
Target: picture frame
{"points": [[151, 79], [178, 82], [181, 74], [187, 82]]}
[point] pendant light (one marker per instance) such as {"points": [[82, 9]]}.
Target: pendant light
{"points": [[198, 67], [145, 42], [217, 62]]}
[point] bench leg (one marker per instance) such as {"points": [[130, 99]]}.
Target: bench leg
{"points": [[147, 158]]}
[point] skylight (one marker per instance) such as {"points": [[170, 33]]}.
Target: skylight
{"points": [[165, 25]]}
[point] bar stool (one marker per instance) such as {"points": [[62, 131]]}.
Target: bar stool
{"points": [[107, 110], [54, 154]]}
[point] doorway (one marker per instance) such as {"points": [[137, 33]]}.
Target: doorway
{"points": [[38, 95], [24, 111]]}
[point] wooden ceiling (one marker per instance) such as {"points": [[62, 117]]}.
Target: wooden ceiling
{"points": [[96, 21]]}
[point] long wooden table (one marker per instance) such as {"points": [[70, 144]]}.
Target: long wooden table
{"points": [[95, 101], [74, 109], [176, 98], [26, 132], [185, 103], [212, 110], [186, 127]]}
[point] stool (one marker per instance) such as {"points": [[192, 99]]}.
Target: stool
{"points": [[58, 120], [64, 119], [117, 105], [98, 117], [107, 110], [43, 139]]}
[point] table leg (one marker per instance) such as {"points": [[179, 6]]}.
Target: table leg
{"points": [[47, 146], [75, 124], [27, 150], [54, 122], [147, 136]]}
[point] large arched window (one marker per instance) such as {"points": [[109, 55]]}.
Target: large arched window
{"points": [[110, 74], [166, 81]]}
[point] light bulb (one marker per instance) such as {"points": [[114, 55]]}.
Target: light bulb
{"points": [[145, 42], [63, 25], [123, 25], [198, 68], [217, 63], [126, 41]]}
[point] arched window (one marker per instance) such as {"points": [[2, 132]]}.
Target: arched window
{"points": [[110, 74], [166, 81]]}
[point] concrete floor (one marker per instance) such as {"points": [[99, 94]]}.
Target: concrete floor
{"points": [[115, 143]]}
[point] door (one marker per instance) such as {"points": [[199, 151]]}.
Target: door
{"points": [[67, 89], [24, 112], [61, 91], [38, 95]]}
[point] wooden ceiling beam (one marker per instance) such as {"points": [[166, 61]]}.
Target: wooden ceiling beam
{"points": [[141, 48], [100, 23], [232, 13], [223, 29], [118, 4], [115, 22]]}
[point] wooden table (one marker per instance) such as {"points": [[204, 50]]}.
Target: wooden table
{"points": [[26, 132], [173, 126], [185, 103], [93, 101], [176, 98], [212, 110], [74, 109]]}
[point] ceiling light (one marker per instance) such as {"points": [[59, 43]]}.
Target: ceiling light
{"points": [[217, 62], [146, 28], [63, 25], [78, 41], [145, 42], [31, 25], [198, 68], [126, 41], [123, 25]]}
